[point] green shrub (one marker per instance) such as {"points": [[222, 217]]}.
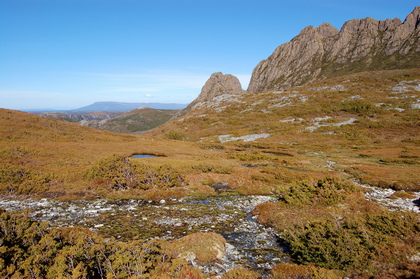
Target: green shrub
{"points": [[36, 183], [30, 250], [241, 273], [355, 242], [118, 170], [292, 271], [174, 135], [205, 168], [331, 245], [263, 178], [361, 107], [13, 174], [163, 177], [399, 161], [212, 146], [329, 191], [393, 223], [16, 179], [254, 156], [121, 174]]}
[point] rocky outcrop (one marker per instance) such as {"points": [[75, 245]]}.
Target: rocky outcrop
{"points": [[360, 45], [218, 84]]}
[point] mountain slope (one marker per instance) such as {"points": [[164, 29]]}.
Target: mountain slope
{"points": [[49, 157], [77, 117], [124, 107], [360, 45], [135, 121], [372, 117]]}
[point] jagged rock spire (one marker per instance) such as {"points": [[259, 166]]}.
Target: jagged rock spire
{"points": [[218, 84], [361, 44]]}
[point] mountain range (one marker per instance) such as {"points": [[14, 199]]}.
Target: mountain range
{"points": [[124, 107], [136, 121], [316, 53], [118, 117], [322, 52]]}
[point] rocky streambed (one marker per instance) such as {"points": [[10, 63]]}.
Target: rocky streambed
{"points": [[386, 198], [248, 242]]}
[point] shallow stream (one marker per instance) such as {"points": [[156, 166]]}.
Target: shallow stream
{"points": [[248, 243]]}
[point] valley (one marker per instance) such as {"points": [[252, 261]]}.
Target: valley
{"points": [[132, 118]]}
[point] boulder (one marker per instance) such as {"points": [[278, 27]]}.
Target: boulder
{"points": [[201, 248]]}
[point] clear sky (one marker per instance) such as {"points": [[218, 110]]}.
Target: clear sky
{"points": [[65, 54]]}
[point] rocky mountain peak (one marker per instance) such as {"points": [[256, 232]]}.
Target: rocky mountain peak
{"points": [[218, 84], [325, 51], [326, 30], [412, 22]]}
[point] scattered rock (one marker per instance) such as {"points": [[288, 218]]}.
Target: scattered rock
{"points": [[415, 258], [318, 124], [355, 97], [221, 187], [382, 196], [406, 86], [284, 101], [292, 120], [330, 165], [253, 137], [350, 121], [399, 89], [330, 88], [401, 109]]}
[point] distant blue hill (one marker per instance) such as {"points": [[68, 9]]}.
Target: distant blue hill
{"points": [[123, 107]]}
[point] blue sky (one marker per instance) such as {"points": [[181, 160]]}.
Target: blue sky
{"points": [[65, 54]]}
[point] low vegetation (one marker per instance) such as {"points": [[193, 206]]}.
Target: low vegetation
{"points": [[309, 161], [30, 250], [136, 121], [119, 173], [338, 230], [316, 119]]}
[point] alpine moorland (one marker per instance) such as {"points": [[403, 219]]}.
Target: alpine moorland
{"points": [[313, 172]]}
